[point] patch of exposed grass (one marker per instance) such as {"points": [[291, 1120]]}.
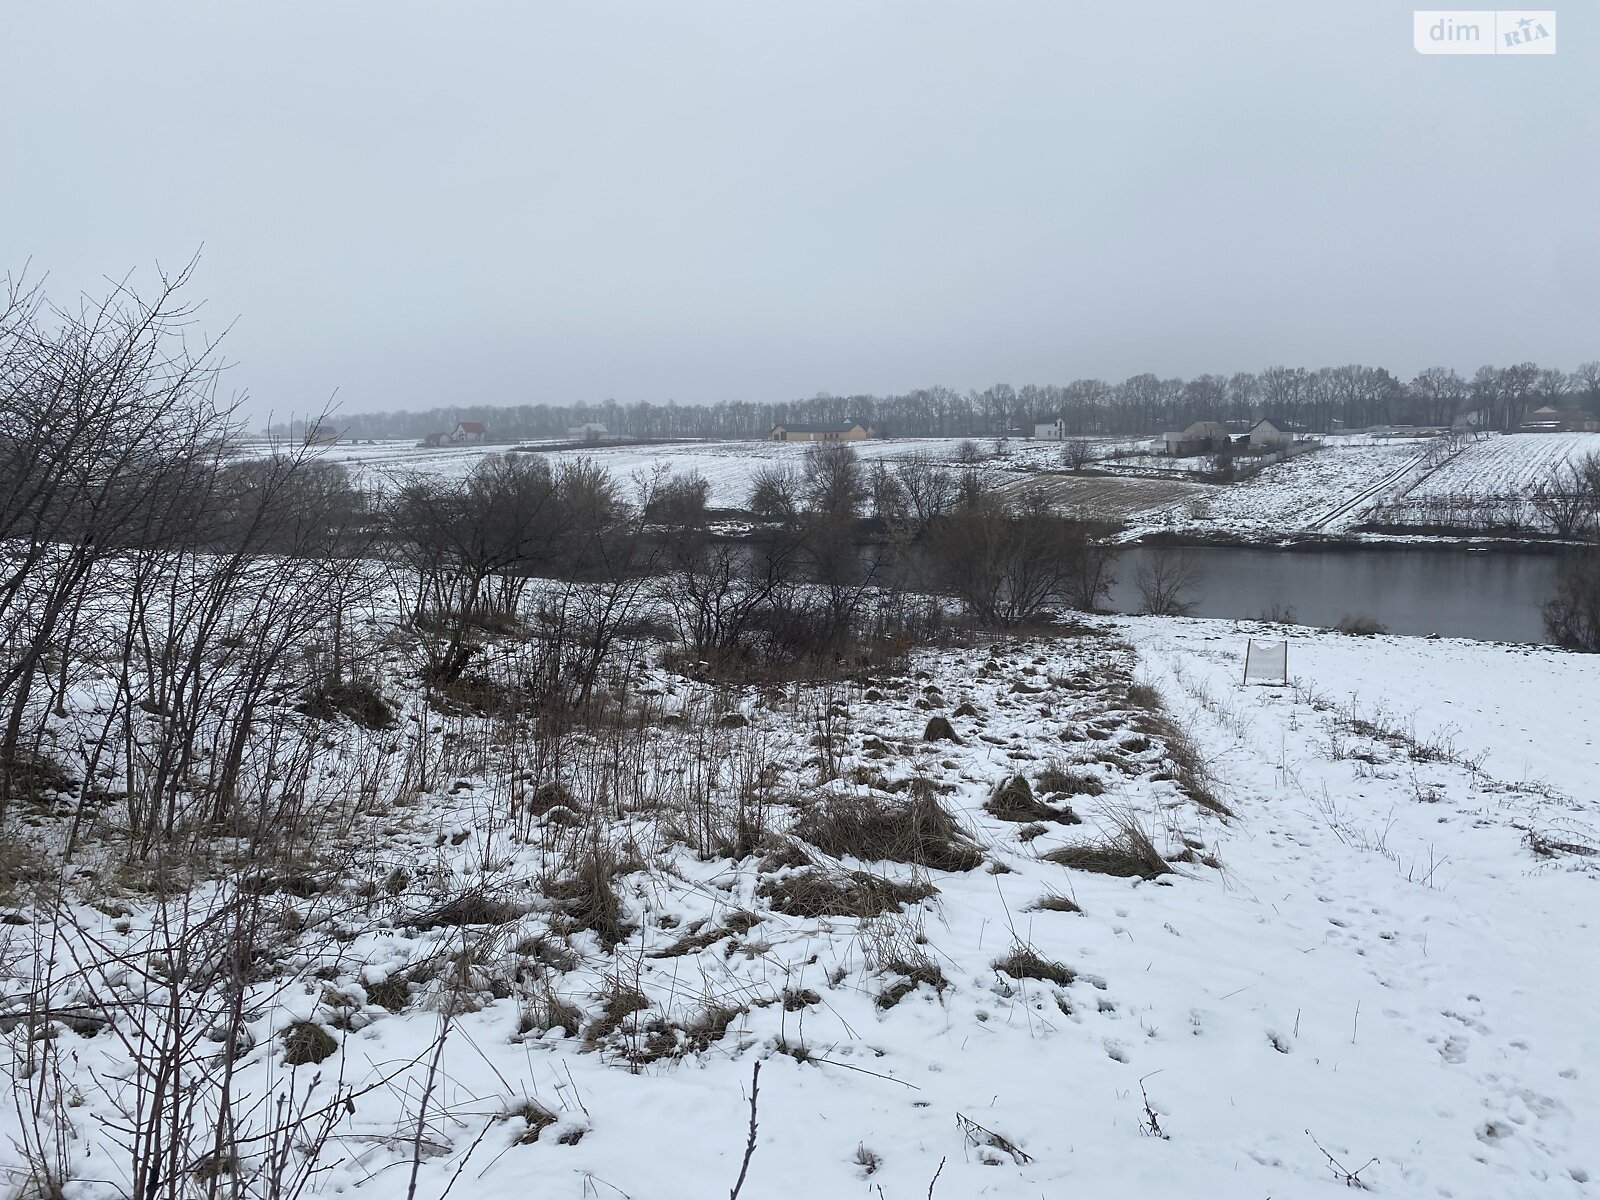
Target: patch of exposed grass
{"points": [[919, 831], [1014, 800], [1024, 962], [1127, 853], [912, 976], [545, 1011], [619, 1001], [306, 1042], [1055, 902], [815, 892], [535, 1117], [394, 993], [705, 934], [939, 729], [588, 896], [472, 907], [1057, 781], [356, 699]]}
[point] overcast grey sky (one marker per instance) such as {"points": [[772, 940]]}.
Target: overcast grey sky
{"points": [[517, 202]]}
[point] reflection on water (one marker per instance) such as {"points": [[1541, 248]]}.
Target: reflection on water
{"points": [[1452, 592]]}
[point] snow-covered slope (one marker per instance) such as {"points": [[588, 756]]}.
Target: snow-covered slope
{"points": [[1382, 956]]}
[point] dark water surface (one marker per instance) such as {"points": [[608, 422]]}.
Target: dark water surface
{"points": [[1485, 594]]}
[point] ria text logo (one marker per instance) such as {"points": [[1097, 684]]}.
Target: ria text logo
{"points": [[1483, 31]]}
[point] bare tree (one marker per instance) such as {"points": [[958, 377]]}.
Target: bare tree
{"points": [[1076, 454], [1165, 580]]}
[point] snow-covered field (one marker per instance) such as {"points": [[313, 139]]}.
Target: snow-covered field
{"points": [[1328, 491], [729, 467], [1505, 464], [1366, 971]]}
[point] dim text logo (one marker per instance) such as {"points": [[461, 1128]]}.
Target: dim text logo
{"points": [[1483, 31]]}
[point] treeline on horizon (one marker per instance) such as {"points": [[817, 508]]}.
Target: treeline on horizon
{"points": [[1320, 401]]}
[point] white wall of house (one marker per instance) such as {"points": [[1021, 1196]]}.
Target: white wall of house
{"points": [[1051, 431]]}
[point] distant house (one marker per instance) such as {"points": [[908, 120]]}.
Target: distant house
{"points": [[1266, 435], [1550, 419], [322, 435], [843, 431], [1051, 431], [468, 433], [1200, 438], [592, 431], [435, 440]]}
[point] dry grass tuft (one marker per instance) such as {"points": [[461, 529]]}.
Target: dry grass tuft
{"points": [[920, 831], [535, 1117], [705, 934], [306, 1043], [912, 976], [361, 702], [1026, 963], [1127, 853], [619, 1001], [1014, 801], [1054, 780], [472, 907], [815, 892], [939, 729], [588, 897], [1055, 902], [546, 1011]]}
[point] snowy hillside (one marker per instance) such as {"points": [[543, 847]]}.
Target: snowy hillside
{"points": [[1355, 948]]}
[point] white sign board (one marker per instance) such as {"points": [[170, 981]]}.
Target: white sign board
{"points": [[1266, 662]]}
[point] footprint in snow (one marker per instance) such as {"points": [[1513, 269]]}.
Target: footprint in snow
{"points": [[1454, 1049]]}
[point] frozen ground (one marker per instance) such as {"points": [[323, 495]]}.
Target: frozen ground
{"points": [[1369, 955]]}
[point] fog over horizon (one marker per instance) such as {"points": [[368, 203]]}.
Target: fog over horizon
{"points": [[502, 204]]}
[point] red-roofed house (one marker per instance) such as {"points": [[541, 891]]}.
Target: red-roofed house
{"points": [[468, 433]]}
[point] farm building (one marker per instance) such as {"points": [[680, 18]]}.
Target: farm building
{"points": [[1200, 438], [841, 431], [435, 440], [1269, 435], [1051, 431], [590, 431], [468, 433], [1550, 419]]}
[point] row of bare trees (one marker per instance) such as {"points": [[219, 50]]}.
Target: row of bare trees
{"points": [[1349, 396]]}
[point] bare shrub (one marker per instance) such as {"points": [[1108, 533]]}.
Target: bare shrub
{"points": [[1568, 497], [1360, 625], [1008, 561]]}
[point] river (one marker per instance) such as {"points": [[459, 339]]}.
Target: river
{"points": [[1484, 594]]}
